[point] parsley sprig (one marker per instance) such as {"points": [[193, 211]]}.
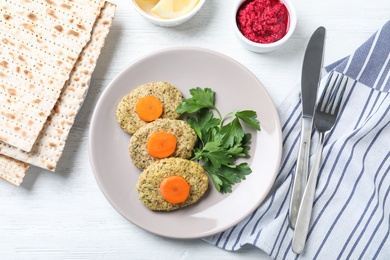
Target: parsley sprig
{"points": [[222, 140]]}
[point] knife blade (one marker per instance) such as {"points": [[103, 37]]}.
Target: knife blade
{"points": [[311, 70]]}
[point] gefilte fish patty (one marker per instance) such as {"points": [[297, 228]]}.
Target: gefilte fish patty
{"points": [[148, 185], [185, 137], [169, 96]]}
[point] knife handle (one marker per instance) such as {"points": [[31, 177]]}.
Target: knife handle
{"points": [[301, 170], [305, 210]]}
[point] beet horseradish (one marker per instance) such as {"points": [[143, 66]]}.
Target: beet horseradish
{"points": [[263, 21]]}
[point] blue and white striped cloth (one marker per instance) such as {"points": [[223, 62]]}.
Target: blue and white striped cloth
{"points": [[351, 212]]}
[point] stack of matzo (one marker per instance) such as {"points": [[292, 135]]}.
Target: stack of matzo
{"points": [[48, 51]]}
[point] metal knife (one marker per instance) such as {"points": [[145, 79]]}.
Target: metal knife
{"points": [[311, 70]]}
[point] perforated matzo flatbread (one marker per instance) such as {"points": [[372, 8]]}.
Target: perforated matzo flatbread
{"points": [[51, 141], [12, 170], [40, 41]]}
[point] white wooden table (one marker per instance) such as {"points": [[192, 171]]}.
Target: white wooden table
{"points": [[65, 215]]}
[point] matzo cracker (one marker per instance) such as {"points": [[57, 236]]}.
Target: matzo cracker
{"points": [[12, 170], [51, 141], [40, 41]]}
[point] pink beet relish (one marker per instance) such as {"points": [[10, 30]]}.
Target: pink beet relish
{"points": [[263, 21]]}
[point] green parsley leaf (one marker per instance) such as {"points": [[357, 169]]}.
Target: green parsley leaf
{"points": [[232, 133], [201, 98], [218, 158], [203, 123], [236, 150], [250, 118], [221, 142], [212, 146]]}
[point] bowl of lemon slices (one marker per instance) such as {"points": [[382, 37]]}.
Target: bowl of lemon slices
{"points": [[167, 12]]}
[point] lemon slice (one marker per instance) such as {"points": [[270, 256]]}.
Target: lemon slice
{"points": [[173, 8]]}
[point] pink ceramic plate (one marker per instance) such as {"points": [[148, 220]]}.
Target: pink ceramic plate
{"points": [[236, 88]]}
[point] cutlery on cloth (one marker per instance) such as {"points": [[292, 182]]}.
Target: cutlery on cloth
{"points": [[351, 210], [311, 70], [324, 119]]}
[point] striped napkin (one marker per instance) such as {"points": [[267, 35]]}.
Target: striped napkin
{"points": [[351, 212]]}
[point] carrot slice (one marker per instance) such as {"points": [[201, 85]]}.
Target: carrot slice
{"points": [[149, 108], [175, 189], [161, 145]]}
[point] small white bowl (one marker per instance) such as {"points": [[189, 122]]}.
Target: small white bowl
{"points": [[149, 16], [265, 47]]}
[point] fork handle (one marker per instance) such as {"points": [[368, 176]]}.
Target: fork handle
{"points": [[301, 170], [305, 210]]}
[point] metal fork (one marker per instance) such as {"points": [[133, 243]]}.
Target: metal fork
{"points": [[324, 119]]}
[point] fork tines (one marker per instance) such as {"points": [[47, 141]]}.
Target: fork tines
{"points": [[334, 89]]}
